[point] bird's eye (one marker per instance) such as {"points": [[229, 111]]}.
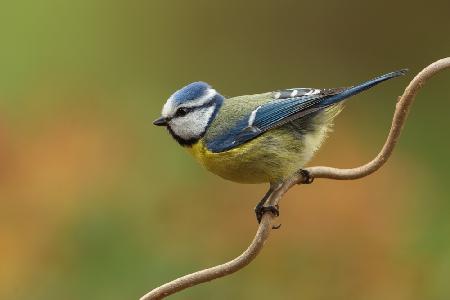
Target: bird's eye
{"points": [[181, 112]]}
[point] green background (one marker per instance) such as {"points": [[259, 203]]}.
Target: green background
{"points": [[96, 203]]}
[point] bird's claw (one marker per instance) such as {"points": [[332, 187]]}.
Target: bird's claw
{"points": [[307, 177], [261, 210], [276, 226]]}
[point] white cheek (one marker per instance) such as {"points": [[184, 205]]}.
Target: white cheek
{"points": [[193, 124]]}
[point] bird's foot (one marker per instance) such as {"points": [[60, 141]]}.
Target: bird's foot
{"points": [[307, 177], [260, 210]]}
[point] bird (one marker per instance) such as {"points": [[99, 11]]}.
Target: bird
{"points": [[259, 138]]}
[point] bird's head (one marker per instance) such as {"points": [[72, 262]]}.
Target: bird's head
{"points": [[189, 111]]}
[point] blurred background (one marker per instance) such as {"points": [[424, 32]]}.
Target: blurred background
{"points": [[96, 203]]}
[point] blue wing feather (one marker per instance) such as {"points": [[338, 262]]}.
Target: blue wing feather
{"points": [[284, 109], [272, 113]]}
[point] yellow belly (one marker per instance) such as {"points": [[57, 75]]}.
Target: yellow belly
{"points": [[271, 157]]}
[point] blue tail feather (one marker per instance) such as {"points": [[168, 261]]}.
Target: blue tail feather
{"points": [[361, 87]]}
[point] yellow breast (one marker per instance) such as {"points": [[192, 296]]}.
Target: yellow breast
{"points": [[230, 165], [269, 158]]}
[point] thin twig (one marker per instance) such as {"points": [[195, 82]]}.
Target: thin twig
{"points": [[265, 227]]}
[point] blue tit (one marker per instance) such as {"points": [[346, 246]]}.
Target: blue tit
{"points": [[258, 138]]}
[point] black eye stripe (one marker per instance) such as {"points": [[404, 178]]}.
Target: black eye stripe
{"points": [[182, 111]]}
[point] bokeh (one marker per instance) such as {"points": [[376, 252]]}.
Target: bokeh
{"points": [[96, 203]]}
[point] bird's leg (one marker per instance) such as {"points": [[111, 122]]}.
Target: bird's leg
{"points": [[307, 177], [260, 209]]}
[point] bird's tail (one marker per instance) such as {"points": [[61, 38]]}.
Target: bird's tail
{"points": [[351, 91]]}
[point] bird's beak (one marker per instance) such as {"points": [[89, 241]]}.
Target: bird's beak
{"points": [[160, 122]]}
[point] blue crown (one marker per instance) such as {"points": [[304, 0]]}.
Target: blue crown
{"points": [[192, 91]]}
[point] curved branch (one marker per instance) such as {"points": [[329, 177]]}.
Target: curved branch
{"points": [[398, 121], [265, 227]]}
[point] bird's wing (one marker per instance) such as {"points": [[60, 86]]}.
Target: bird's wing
{"points": [[289, 105], [284, 106]]}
